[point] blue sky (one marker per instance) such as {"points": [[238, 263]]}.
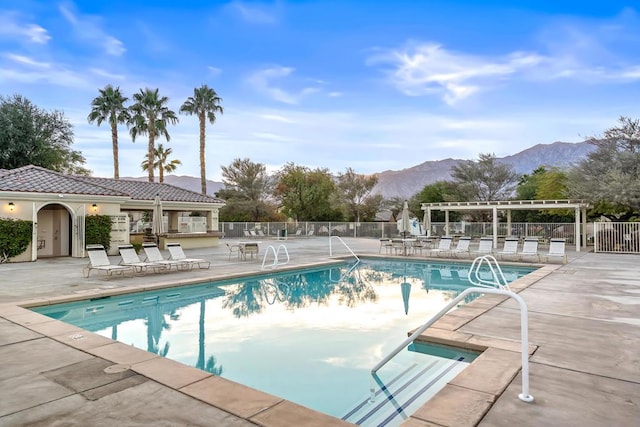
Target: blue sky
{"points": [[364, 84]]}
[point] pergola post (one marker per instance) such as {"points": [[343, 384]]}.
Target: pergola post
{"points": [[495, 226], [509, 222], [446, 223], [577, 229]]}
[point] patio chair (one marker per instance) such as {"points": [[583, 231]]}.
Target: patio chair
{"points": [[153, 254], [529, 248], [130, 258], [510, 248], [177, 254], [462, 246], [556, 250], [397, 245], [232, 249], [485, 247], [250, 249], [386, 244], [444, 246], [99, 260]]}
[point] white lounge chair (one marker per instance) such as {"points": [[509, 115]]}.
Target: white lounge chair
{"points": [[462, 247], [177, 254], [529, 248], [556, 250], [153, 254], [99, 260], [444, 246], [130, 258], [510, 248], [485, 247]]}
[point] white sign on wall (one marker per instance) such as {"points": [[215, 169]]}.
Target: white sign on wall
{"points": [[119, 232]]}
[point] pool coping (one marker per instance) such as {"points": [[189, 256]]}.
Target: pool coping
{"points": [[480, 383]]}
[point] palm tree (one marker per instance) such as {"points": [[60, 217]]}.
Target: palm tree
{"points": [[110, 106], [162, 162], [204, 103], [150, 116]]}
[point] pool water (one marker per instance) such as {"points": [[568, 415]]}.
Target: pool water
{"points": [[310, 336]]}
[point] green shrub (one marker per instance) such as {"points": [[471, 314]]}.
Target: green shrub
{"points": [[15, 236], [137, 246], [97, 230]]}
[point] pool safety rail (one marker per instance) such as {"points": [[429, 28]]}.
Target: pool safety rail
{"points": [[481, 289], [332, 238], [499, 281], [276, 256]]}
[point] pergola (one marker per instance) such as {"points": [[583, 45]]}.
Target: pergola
{"points": [[580, 207]]}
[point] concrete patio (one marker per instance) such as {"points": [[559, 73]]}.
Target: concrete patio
{"points": [[584, 328]]}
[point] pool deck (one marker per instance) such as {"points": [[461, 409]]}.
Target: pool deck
{"points": [[584, 333]]}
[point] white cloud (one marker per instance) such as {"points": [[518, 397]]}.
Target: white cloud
{"points": [[254, 13], [335, 94], [261, 80], [103, 73], [88, 28], [214, 71], [428, 68], [25, 60], [12, 26]]}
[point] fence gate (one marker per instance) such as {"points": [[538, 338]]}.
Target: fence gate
{"points": [[617, 237]]}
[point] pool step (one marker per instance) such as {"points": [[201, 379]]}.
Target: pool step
{"points": [[394, 400]]}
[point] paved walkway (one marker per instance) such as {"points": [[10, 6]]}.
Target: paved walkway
{"points": [[584, 331]]}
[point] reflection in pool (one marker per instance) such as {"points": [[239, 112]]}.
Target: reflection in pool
{"points": [[310, 336]]}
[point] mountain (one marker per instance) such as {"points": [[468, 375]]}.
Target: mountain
{"points": [[191, 183], [407, 182]]}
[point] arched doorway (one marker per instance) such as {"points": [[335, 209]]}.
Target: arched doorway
{"points": [[54, 238]]}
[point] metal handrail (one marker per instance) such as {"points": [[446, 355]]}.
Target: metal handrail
{"points": [[524, 333], [499, 281], [276, 261], [345, 245]]}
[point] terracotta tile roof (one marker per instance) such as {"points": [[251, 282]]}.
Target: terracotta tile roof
{"points": [[35, 179]]}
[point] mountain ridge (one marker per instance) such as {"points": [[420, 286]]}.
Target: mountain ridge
{"points": [[407, 182]]}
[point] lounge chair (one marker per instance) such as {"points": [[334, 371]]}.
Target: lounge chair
{"points": [[444, 246], [529, 248], [99, 260], [177, 254], [556, 250], [462, 247], [153, 255], [510, 248], [485, 247], [232, 249], [130, 258]]}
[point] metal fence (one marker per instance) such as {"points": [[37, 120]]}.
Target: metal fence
{"points": [[378, 230], [617, 237]]}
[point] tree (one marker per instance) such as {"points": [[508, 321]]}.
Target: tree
{"points": [[150, 116], [438, 192], [484, 179], [543, 184], [247, 187], [162, 162], [109, 106], [204, 103], [305, 194], [609, 177], [354, 193], [33, 136]]}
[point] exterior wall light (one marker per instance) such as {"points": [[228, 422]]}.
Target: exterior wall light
{"points": [[94, 207], [12, 206]]}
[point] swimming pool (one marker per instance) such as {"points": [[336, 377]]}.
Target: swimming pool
{"points": [[310, 336]]}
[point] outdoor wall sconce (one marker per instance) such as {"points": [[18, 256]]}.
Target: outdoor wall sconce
{"points": [[11, 206], [94, 207]]}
